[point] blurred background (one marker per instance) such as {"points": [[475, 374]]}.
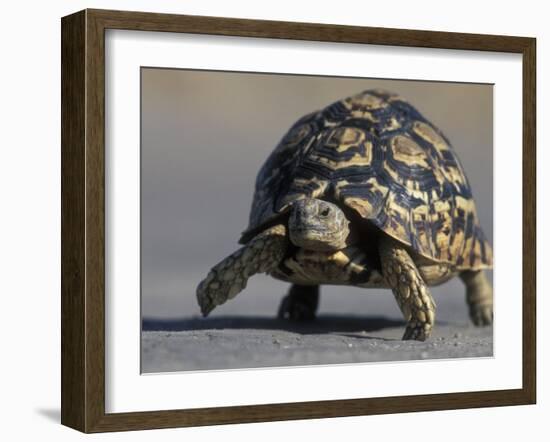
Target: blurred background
{"points": [[204, 137]]}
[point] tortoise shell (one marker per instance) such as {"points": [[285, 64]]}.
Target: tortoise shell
{"points": [[377, 155]]}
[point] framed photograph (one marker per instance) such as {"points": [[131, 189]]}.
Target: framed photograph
{"points": [[270, 220]]}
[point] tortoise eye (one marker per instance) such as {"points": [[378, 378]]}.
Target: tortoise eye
{"points": [[325, 212]]}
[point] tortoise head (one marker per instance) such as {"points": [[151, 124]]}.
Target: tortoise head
{"points": [[318, 225]]}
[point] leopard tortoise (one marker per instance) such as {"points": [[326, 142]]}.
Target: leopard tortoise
{"points": [[365, 192]]}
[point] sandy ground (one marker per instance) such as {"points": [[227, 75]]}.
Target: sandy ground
{"points": [[353, 325], [246, 342]]}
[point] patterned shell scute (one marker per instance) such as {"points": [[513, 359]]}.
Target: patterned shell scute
{"points": [[378, 155]]}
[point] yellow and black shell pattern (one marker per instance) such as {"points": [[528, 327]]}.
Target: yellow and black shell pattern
{"points": [[376, 154]]}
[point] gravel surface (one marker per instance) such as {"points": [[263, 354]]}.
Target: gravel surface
{"points": [[251, 341]]}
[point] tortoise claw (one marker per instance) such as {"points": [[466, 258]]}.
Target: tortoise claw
{"points": [[300, 304], [481, 315], [416, 331], [206, 303], [294, 310]]}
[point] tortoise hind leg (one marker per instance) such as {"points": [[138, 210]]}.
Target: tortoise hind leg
{"points": [[479, 296], [301, 303], [410, 290], [229, 277]]}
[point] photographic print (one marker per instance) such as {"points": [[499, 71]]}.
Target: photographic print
{"points": [[295, 220], [268, 207]]}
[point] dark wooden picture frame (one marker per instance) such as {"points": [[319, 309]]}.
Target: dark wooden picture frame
{"points": [[83, 219]]}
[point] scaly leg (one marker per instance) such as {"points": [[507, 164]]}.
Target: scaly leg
{"points": [[301, 303], [479, 296], [410, 290], [229, 277]]}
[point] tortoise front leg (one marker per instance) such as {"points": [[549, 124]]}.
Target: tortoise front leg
{"points": [[229, 277], [410, 290], [479, 296]]}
